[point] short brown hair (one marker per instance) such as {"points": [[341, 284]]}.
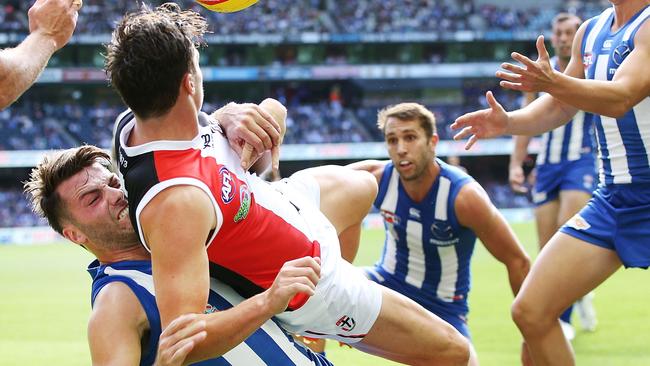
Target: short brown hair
{"points": [[53, 170], [563, 17], [408, 112], [149, 54]]}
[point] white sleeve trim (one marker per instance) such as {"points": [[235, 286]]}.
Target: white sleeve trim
{"points": [[153, 191]]}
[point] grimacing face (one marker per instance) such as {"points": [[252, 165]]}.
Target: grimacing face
{"points": [[408, 147], [98, 208]]}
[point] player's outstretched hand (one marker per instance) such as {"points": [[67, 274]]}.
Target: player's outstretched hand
{"points": [[481, 124], [298, 276], [533, 76], [516, 177], [250, 130], [179, 338], [54, 19]]}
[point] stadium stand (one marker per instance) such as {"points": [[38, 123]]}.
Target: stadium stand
{"points": [[334, 64]]}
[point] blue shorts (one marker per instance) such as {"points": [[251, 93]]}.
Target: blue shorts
{"points": [[617, 218], [447, 311], [576, 175]]}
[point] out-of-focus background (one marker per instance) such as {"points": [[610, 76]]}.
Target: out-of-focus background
{"points": [[333, 64]]}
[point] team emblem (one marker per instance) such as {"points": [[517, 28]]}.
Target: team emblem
{"points": [[441, 230], [346, 323], [227, 185], [620, 53]]}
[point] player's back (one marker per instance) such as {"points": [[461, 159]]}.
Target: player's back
{"points": [[259, 228]]}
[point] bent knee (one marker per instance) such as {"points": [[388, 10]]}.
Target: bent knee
{"points": [[459, 349], [528, 316]]}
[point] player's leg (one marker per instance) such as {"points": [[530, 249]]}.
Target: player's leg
{"points": [[405, 332], [546, 292], [571, 201], [546, 218], [346, 196]]}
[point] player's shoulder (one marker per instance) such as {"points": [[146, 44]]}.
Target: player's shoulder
{"points": [[116, 302]]}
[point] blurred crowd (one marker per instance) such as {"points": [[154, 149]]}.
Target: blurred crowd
{"points": [[332, 16], [15, 210], [39, 125]]}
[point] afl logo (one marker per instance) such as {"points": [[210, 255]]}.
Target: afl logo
{"points": [[587, 60], [620, 53], [227, 185]]}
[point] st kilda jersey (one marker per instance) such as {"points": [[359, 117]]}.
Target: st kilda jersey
{"points": [[258, 229]]}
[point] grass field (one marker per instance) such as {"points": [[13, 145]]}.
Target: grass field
{"points": [[44, 306]]}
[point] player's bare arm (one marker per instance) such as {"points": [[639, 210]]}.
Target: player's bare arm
{"points": [[516, 175], [610, 98], [375, 167], [474, 210], [116, 327], [180, 271], [179, 339], [51, 23]]}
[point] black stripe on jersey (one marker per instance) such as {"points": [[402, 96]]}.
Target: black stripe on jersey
{"points": [[139, 172], [239, 283]]}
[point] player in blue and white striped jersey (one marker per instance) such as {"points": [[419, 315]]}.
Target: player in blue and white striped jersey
{"points": [[565, 171], [131, 283], [433, 213], [607, 76]]}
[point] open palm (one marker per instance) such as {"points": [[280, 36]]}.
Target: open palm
{"points": [[482, 124]]}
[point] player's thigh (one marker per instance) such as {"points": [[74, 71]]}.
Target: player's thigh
{"points": [[546, 217], [407, 331], [345, 194], [567, 269], [571, 202]]}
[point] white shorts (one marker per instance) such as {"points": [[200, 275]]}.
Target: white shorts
{"points": [[346, 304]]}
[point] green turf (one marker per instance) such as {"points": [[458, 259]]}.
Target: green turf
{"points": [[44, 306]]}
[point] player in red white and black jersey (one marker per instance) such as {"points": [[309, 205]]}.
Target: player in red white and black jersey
{"points": [[195, 208]]}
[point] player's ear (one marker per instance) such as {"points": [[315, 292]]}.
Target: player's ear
{"points": [[434, 140], [73, 234], [188, 83]]}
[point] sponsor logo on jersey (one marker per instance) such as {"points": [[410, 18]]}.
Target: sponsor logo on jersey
{"points": [[227, 185], [578, 222], [390, 217], [607, 45], [245, 203], [346, 323], [620, 53]]}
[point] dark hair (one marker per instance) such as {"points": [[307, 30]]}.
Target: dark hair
{"points": [[149, 54], [408, 112], [53, 170], [563, 17]]}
